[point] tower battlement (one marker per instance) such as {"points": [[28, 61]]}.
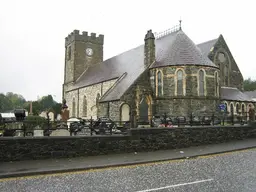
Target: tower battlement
{"points": [[76, 36]]}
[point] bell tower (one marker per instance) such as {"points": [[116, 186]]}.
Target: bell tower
{"points": [[81, 51]]}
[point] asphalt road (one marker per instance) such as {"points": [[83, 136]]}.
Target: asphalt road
{"points": [[229, 172]]}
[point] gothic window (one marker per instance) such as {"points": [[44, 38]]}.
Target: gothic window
{"points": [[243, 109], [226, 74], [69, 52], [85, 107], [180, 82], [97, 99], [231, 108], [159, 84], [226, 107], [216, 84], [237, 108], [73, 107], [201, 83]]}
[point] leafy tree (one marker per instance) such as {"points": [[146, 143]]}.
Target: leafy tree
{"points": [[249, 84]]}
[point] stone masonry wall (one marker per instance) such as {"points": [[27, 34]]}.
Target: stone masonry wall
{"points": [[235, 77], [175, 105], [139, 140], [91, 93]]}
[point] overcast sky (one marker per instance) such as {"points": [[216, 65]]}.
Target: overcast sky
{"points": [[33, 31]]}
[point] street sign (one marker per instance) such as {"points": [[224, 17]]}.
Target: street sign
{"points": [[222, 107]]}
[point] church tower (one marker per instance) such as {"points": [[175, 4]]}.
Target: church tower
{"points": [[81, 51]]}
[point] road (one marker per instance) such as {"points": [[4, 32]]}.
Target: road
{"points": [[229, 172]]}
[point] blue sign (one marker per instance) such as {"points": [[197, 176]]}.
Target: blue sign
{"points": [[222, 107]]}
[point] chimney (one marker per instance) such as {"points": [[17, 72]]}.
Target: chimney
{"points": [[149, 48]]}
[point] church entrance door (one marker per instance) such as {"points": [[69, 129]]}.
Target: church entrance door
{"points": [[143, 110]]}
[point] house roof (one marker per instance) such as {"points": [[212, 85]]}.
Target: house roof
{"points": [[179, 49], [173, 49], [205, 47], [233, 94]]}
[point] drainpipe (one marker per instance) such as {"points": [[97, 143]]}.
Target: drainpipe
{"points": [[78, 103]]}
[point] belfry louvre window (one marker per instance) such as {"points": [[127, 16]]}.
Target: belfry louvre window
{"points": [[180, 82]]}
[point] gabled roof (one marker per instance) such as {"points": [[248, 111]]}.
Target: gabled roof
{"points": [[206, 46], [233, 94], [172, 49], [179, 49], [251, 94]]}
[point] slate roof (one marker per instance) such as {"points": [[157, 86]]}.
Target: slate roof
{"points": [[251, 94], [206, 46], [233, 94], [173, 49], [179, 49]]}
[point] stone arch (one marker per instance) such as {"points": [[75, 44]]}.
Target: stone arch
{"points": [[159, 82], [231, 108], [125, 112], [145, 108], [243, 108], [201, 82], [180, 82], [227, 107], [225, 66], [237, 108]]}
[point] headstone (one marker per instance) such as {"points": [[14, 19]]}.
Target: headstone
{"points": [[51, 116], [38, 133], [60, 132]]}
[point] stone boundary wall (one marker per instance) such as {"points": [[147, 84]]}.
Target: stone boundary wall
{"points": [[139, 139]]}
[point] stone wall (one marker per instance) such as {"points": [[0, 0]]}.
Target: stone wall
{"points": [[138, 140], [171, 103], [90, 93], [233, 73]]}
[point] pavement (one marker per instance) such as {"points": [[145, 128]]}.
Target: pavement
{"points": [[50, 166], [228, 172]]}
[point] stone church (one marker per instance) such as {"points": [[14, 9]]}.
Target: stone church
{"points": [[169, 74]]}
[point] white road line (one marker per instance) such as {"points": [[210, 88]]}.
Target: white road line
{"points": [[177, 185]]}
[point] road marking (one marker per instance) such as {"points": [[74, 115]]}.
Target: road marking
{"points": [[121, 167], [177, 185]]}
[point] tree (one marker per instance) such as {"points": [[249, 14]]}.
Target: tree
{"points": [[249, 85]]}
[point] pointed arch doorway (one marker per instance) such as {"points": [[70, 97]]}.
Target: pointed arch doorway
{"points": [[145, 109]]}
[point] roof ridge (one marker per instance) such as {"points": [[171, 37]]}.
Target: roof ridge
{"points": [[207, 41]]}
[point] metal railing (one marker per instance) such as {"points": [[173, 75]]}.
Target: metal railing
{"points": [[105, 126]]}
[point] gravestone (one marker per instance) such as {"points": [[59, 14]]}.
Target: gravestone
{"points": [[60, 132], [51, 116], [38, 133]]}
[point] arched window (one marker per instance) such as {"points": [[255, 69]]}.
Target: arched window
{"points": [[237, 108], [97, 99], [226, 74], [201, 83], [226, 107], [159, 84], [243, 109], [73, 107], [231, 108], [125, 113], [216, 84], [180, 82], [85, 107]]}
